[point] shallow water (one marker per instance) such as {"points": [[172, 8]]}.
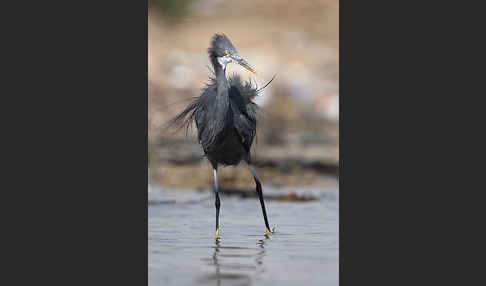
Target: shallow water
{"points": [[182, 249]]}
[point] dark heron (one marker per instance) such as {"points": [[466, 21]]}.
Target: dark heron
{"points": [[225, 117]]}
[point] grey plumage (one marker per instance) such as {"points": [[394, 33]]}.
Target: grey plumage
{"points": [[217, 116], [225, 115]]}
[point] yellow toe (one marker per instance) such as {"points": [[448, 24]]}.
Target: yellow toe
{"points": [[267, 231], [217, 233]]}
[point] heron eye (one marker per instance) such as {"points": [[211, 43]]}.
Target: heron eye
{"points": [[227, 52]]}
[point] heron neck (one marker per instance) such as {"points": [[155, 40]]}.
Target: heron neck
{"points": [[220, 73]]}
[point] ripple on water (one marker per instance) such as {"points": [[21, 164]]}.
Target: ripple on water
{"points": [[182, 249]]}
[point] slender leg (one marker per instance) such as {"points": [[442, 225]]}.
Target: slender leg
{"points": [[260, 196], [216, 203]]}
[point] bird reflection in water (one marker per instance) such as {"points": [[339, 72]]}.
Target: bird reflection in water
{"points": [[261, 253], [215, 261], [234, 277]]}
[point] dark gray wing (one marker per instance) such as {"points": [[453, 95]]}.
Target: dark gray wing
{"points": [[208, 116], [212, 117], [246, 89], [244, 110]]}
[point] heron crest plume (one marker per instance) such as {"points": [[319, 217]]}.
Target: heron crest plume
{"points": [[219, 45]]}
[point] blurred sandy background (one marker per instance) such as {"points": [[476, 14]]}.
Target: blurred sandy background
{"points": [[298, 137]]}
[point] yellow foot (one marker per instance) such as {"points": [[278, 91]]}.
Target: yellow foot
{"points": [[217, 233], [267, 231]]}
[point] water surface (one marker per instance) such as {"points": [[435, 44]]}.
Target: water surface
{"points": [[182, 249]]}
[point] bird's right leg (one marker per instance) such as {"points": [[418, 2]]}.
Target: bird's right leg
{"points": [[217, 202], [260, 196]]}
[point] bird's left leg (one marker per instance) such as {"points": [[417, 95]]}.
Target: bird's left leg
{"points": [[217, 202], [260, 196]]}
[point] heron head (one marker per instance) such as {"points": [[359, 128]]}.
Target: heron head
{"points": [[223, 50]]}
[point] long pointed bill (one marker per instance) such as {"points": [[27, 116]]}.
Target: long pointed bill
{"points": [[244, 64]]}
